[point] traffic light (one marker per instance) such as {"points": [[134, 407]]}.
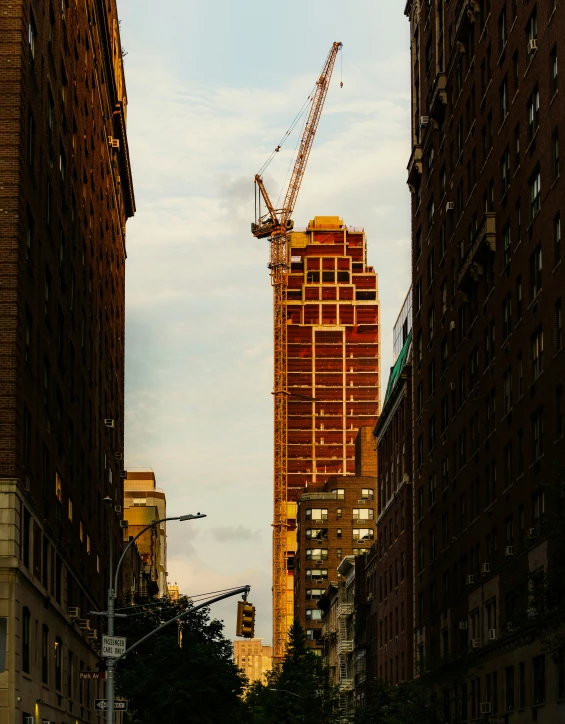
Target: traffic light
{"points": [[245, 620]]}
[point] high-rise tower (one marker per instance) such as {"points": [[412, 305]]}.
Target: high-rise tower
{"points": [[65, 194], [333, 356]]}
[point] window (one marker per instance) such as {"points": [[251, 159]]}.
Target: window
{"points": [[504, 99], [32, 37], [58, 663], [536, 271], [502, 37], [45, 654], [316, 514], [339, 492], [313, 634], [506, 317], [88, 544], [535, 194], [533, 114], [537, 434], [58, 488], [507, 390], [537, 354], [532, 27], [556, 239], [558, 325], [316, 554], [559, 412], [30, 140], [555, 154], [367, 493], [521, 685], [363, 514], [70, 509], [317, 574], [313, 614], [314, 593], [553, 70], [539, 679], [26, 643], [363, 533]]}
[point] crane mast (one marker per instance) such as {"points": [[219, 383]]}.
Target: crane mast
{"points": [[275, 225]]}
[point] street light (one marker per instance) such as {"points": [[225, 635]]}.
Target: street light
{"points": [[108, 502]]}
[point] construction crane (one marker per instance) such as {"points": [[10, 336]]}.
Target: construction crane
{"points": [[276, 224]]}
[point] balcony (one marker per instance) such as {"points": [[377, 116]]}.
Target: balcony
{"points": [[344, 647], [346, 685], [437, 97], [484, 241], [345, 608], [415, 165]]}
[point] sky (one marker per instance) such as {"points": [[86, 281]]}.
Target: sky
{"points": [[212, 87]]}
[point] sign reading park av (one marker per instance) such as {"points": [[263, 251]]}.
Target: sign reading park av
{"points": [[113, 646]]}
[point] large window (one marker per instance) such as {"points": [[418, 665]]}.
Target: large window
{"points": [[313, 614], [314, 593], [26, 627], [537, 434], [45, 654], [317, 574], [536, 268], [537, 354], [340, 493], [316, 554], [367, 493], [363, 533], [539, 679], [535, 194], [533, 113], [317, 514], [316, 533], [58, 650], [363, 514]]}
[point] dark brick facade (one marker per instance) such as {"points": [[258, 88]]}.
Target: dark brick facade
{"points": [[65, 194], [391, 581], [489, 289]]}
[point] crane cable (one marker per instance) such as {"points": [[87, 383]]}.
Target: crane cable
{"points": [[291, 128]]}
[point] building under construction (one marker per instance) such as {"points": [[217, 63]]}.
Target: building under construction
{"points": [[332, 356]]}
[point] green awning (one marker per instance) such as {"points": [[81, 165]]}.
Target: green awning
{"points": [[396, 370]]}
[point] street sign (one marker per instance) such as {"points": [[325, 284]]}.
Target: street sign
{"points": [[113, 646], [98, 675], [102, 705]]}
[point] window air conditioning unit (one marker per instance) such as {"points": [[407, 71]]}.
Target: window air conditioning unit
{"points": [[463, 625], [485, 707], [449, 206], [451, 326], [485, 568], [532, 533], [118, 508], [424, 121], [84, 623], [509, 551], [532, 45], [123, 473], [109, 423], [124, 524], [492, 634], [470, 580], [475, 643], [73, 611]]}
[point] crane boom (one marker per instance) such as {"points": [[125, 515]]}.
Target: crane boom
{"points": [[276, 224]]}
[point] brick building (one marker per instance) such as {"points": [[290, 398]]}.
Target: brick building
{"points": [[334, 519], [488, 360], [391, 581], [65, 194]]}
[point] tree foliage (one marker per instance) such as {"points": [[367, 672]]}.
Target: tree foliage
{"points": [[410, 702], [184, 673], [298, 690]]}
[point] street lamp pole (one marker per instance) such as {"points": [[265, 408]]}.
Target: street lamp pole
{"points": [[113, 587]]}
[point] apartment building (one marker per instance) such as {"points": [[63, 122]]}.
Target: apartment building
{"points": [[66, 193], [487, 352], [391, 582]]}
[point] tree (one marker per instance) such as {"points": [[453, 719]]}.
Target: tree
{"points": [[410, 702], [298, 690], [184, 674]]}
